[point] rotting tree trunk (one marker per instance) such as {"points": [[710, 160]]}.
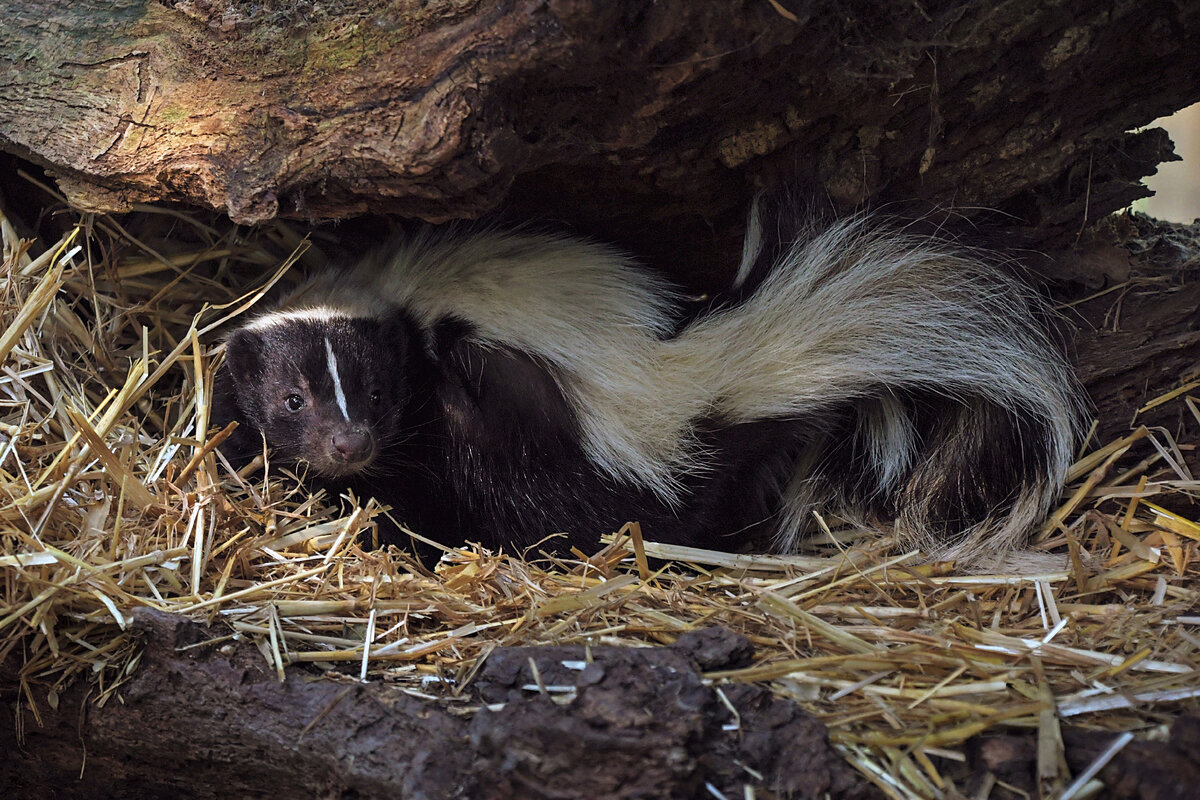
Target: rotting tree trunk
{"points": [[641, 724], [1140, 337], [1145, 770], [647, 122]]}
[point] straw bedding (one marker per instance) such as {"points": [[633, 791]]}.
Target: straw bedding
{"points": [[113, 498]]}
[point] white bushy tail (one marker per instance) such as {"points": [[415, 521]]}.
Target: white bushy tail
{"points": [[864, 316]]}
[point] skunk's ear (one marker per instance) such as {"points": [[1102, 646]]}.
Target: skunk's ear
{"points": [[400, 336], [244, 356], [233, 400]]}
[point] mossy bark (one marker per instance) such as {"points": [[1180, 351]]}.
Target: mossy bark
{"points": [[649, 123]]}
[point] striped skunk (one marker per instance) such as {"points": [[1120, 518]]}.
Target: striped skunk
{"points": [[502, 387]]}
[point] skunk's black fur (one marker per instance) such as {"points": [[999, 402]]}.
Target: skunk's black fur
{"points": [[502, 387]]}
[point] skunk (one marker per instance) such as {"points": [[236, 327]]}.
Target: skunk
{"points": [[501, 387]]}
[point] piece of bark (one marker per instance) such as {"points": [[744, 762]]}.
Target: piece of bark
{"points": [[647, 122], [1142, 770], [212, 721], [1139, 337]]}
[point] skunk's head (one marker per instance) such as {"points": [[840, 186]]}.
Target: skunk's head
{"points": [[325, 391]]}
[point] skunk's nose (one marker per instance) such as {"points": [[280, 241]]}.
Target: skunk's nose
{"points": [[353, 446]]}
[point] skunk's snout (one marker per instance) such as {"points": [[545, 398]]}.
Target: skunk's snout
{"points": [[352, 446]]}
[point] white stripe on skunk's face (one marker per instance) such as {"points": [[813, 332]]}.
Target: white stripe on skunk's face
{"points": [[329, 393], [339, 394]]}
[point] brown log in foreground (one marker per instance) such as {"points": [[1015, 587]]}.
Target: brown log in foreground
{"points": [[212, 721]]}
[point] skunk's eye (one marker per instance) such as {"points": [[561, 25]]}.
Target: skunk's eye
{"points": [[375, 398], [294, 402]]}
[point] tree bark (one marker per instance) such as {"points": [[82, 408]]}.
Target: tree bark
{"points": [[1143, 770], [1140, 337], [648, 122], [212, 721]]}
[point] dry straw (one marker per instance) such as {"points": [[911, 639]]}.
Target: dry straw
{"points": [[112, 498]]}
